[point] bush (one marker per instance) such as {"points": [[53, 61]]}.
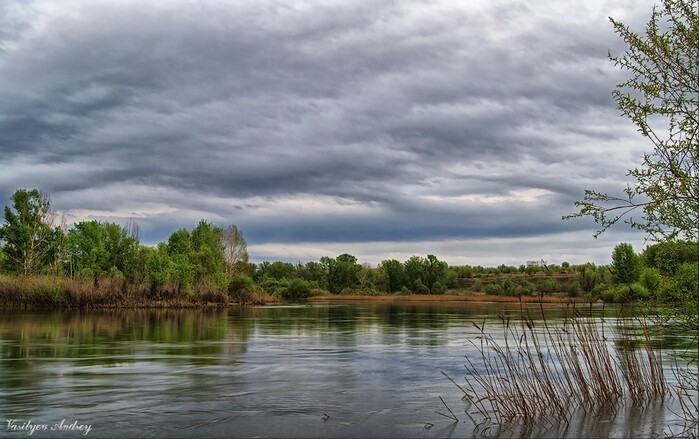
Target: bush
{"points": [[297, 289], [638, 292], [509, 287], [528, 289], [573, 289], [684, 286], [421, 288], [493, 289], [274, 287], [240, 288], [614, 293], [549, 286], [651, 279]]}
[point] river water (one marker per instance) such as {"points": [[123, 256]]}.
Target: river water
{"points": [[309, 370]]}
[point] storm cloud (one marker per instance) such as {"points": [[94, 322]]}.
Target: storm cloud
{"points": [[323, 126]]}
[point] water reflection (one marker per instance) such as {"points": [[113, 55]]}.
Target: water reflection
{"points": [[273, 371]]}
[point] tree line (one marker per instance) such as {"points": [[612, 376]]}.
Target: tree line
{"points": [[211, 263]]}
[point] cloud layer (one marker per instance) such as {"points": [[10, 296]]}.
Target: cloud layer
{"points": [[329, 124]]}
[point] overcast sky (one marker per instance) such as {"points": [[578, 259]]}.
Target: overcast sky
{"points": [[465, 129]]}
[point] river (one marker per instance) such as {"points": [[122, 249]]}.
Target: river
{"points": [[307, 370]]}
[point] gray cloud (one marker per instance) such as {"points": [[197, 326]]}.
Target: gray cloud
{"points": [[431, 122]]}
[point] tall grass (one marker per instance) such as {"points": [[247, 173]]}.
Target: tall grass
{"points": [[545, 375], [61, 292]]}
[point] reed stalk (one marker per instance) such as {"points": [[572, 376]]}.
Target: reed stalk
{"points": [[542, 375]]}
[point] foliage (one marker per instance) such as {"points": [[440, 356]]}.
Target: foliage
{"points": [[393, 275], [159, 268], [626, 264], [241, 288], [588, 277], [276, 270], [493, 289], [297, 289], [667, 256], [509, 287], [549, 286], [95, 249], [27, 232], [208, 255], [343, 272], [662, 99], [425, 275], [683, 291], [651, 279]]}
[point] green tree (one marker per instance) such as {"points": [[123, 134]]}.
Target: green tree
{"points": [[27, 232], [277, 270], [208, 255], [97, 249], [121, 248], [392, 274], [414, 269], [434, 275], [669, 255], [683, 290], [241, 288], [509, 287], [588, 277], [159, 268], [626, 264], [313, 272], [343, 272], [87, 249], [662, 99], [179, 249], [297, 289]]}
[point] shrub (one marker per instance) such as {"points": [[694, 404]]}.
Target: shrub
{"points": [[297, 289], [528, 289], [493, 289], [638, 292], [240, 288], [510, 287], [573, 289], [549, 286], [651, 279]]}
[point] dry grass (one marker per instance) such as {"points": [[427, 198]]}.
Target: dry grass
{"points": [[61, 292], [544, 375]]}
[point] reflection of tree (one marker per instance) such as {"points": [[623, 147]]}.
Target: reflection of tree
{"points": [[110, 337]]}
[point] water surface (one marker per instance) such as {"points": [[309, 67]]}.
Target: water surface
{"points": [[321, 370]]}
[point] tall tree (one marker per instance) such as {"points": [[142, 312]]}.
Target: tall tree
{"points": [[662, 99], [27, 232], [236, 251], [208, 253], [342, 272], [626, 264], [434, 274], [98, 249], [393, 275]]}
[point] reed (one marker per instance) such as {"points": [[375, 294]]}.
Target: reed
{"points": [[543, 375]]}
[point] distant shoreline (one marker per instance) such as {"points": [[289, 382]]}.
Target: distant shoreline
{"points": [[482, 298]]}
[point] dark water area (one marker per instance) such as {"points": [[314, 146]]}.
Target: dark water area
{"points": [[320, 370]]}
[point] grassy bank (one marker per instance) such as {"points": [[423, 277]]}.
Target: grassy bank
{"points": [[61, 292]]}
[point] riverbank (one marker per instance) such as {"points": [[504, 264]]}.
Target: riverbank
{"points": [[447, 298], [56, 292]]}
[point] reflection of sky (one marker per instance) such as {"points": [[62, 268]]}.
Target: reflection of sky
{"points": [[273, 371]]}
